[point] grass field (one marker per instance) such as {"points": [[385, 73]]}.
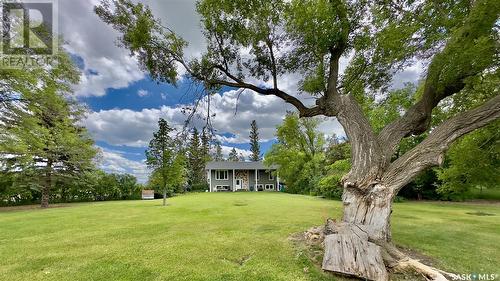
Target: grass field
{"points": [[223, 236]]}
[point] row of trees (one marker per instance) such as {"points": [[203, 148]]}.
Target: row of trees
{"points": [[94, 185], [45, 152], [179, 167]]}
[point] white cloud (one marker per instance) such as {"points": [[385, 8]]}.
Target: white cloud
{"points": [[107, 65], [227, 149], [142, 93], [330, 126], [87, 36], [125, 126], [115, 162], [135, 128]]}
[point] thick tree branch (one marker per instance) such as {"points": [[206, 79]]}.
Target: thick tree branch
{"points": [[236, 82], [273, 64], [446, 73], [431, 151], [418, 118], [367, 155]]}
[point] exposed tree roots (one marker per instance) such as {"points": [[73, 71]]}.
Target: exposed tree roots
{"points": [[400, 262], [349, 250]]}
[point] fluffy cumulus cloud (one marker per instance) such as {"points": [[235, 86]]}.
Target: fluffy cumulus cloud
{"points": [[124, 126], [227, 149], [104, 65]]}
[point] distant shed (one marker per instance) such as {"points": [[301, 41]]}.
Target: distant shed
{"points": [[148, 194]]}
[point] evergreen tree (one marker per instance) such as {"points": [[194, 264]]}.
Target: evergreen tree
{"points": [[196, 159], [218, 152], [254, 142], [233, 155], [165, 159], [41, 134], [205, 147]]}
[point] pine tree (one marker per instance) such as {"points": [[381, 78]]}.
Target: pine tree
{"points": [[254, 142], [165, 159], [218, 152], [196, 159], [42, 135], [233, 155]]}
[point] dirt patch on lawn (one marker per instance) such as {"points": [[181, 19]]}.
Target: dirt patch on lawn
{"points": [[479, 213], [240, 203], [33, 207]]}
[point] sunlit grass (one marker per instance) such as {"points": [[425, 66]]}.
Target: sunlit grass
{"points": [[222, 236]]}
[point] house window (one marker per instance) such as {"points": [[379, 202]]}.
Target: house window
{"points": [[269, 186], [221, 175], [258, 175], [271, 176]]}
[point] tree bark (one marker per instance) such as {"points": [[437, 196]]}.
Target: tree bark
{"points": [[164, 196], [45, 195], [360, 245], [371, 210], [358, 257], [47, 185]]}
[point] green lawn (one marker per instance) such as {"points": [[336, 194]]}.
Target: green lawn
{"points": [[220, 236]]}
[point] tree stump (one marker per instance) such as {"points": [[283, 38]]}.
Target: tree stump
{"points": [[348, 251]]}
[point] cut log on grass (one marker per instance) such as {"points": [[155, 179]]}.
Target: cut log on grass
{"points": [[348, 251], [351, 250]]}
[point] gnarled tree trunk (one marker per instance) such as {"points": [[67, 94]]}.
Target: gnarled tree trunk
{"points": [[372, 210], [360, 245]]}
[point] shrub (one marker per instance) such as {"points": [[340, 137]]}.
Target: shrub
{"points": [[202, 186], [330, 186]]}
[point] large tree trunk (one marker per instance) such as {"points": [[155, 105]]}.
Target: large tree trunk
{"points": [[360, 245], [371, 209], [350, 246], [47, 185]]}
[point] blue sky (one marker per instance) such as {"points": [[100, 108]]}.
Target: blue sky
{"points": [[125, 104]]}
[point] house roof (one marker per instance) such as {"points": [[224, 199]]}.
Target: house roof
{"points": [[240, 165]]}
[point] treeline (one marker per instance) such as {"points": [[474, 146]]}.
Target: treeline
{"points": [[46, 155], [311, 164], [90, 186]]}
